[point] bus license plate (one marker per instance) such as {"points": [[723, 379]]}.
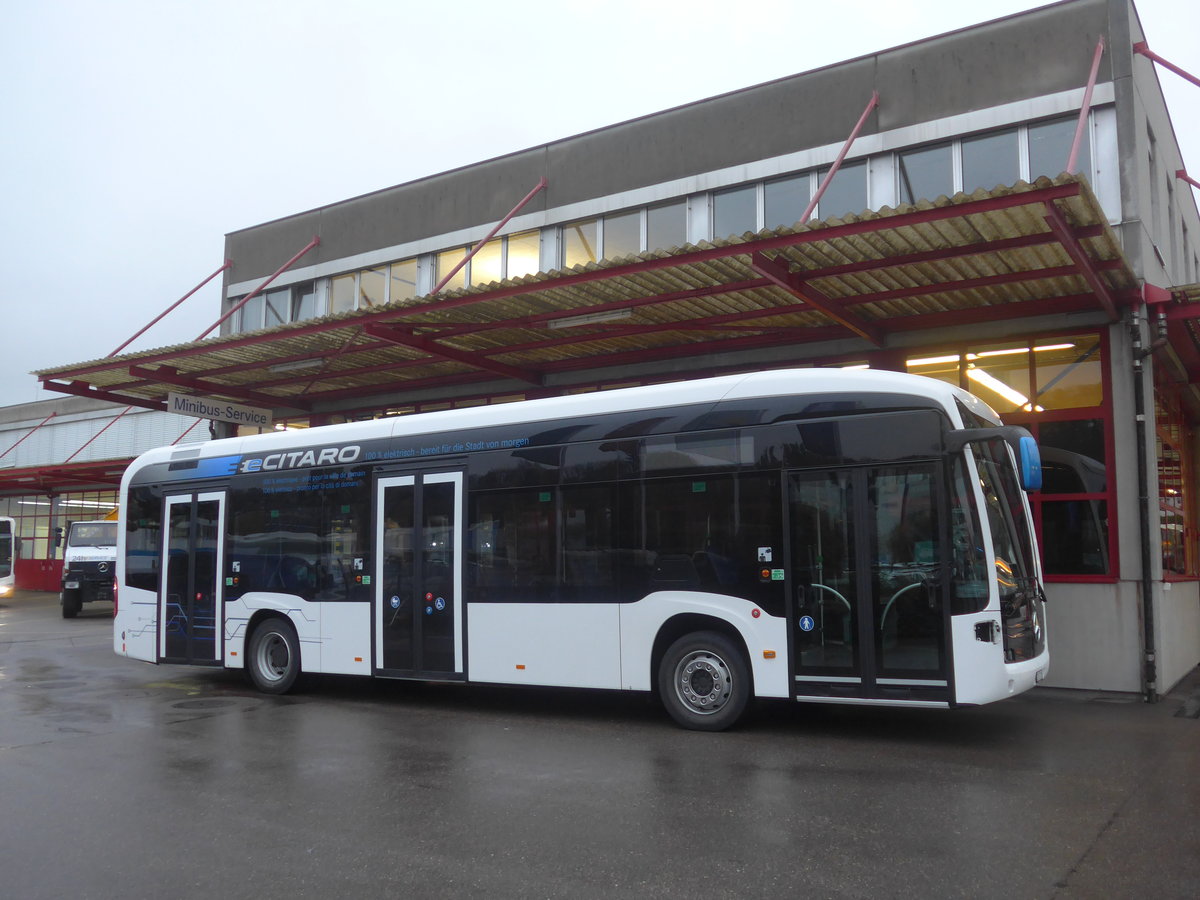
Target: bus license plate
{"points": [[71, 585]]}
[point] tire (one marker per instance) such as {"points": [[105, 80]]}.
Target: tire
{"points": [[704, 681], [273, 660], [71, 604]]}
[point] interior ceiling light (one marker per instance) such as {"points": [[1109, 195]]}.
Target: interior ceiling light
{"points": [[984, 379]]}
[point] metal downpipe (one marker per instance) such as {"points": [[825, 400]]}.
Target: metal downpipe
{"points": [[1149, 662]]}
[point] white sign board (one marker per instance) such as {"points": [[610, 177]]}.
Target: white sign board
{"points": [[218, 410]]}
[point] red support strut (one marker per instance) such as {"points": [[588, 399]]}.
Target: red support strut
{"points": [[258, 290], [837, 163], [1073, 159]]}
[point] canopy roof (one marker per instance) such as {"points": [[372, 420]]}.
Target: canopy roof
{"points": [[1012, 252]]}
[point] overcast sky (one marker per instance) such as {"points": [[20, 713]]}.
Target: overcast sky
{"points": [[136, 133]]}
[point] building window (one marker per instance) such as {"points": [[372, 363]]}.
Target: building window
{"points": [[251, 316], [342, 293], [990, 160], [925, 173], [487, 266], [524, 253], [403, 282], [735, 212], [278, 305], [1050, 147], [1179, 537], [446, 261], [372, 286], [623, 234], [580, 243], [846, 192], [666, 226], [304, 301], [1055, 388], [785, 200]]}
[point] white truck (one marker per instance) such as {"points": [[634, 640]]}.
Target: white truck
{"points": [[89, 565]]}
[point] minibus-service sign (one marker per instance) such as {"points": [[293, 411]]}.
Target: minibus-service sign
{"points": [[218, 410]]}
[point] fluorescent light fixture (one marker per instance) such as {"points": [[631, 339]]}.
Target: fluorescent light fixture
{"points": [[855, 366], [982, 378], [932, 361], [297, 365], [612, 315]]}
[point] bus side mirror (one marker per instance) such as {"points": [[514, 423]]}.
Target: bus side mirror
{"points": [[1024, 447], [58, 535]]}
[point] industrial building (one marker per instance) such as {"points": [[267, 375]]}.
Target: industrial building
{"points": [[1003, 207]]}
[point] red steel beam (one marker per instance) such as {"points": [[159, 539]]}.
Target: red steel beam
{"points": [[433, 348], [798, 286], [491, 234], [162, 315], [1144, 49], [1087, 268], [837, 163], [1182, 175], [168, 375], [258, 290], [847, 229], [83, 389], [1085, 108]]}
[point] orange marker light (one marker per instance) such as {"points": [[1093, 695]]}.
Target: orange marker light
{"points": [[520, 666], [768, 654]]}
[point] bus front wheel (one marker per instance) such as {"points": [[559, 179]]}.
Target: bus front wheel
{"points": [[704, 681], [274, 657], [71, 603]]}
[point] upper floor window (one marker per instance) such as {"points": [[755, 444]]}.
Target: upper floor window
{"points": [[735, 211], [666, 226], [1050, 147], [785, 199], [846, 191], [925, 173], [990, 160]]}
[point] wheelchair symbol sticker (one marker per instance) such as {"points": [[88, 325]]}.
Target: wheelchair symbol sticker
{"points": [[807, 623], [440, 603]]}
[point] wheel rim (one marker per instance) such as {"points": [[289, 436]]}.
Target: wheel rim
{"points": [[274, 657], [703, 682]]}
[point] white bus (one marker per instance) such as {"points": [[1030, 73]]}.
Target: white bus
{"points": [[8, 556], [820, 535]]}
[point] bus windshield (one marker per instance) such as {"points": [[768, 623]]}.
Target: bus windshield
{"points": [[93, 534]]}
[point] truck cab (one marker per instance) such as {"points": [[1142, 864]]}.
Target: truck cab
{"points": [[89, 565]]}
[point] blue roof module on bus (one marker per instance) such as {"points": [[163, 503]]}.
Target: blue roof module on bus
{"points": [[217, 467]]}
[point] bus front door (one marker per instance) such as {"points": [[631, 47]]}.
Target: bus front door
{"points": [[418, 593], [190, 599], [868, 618]]}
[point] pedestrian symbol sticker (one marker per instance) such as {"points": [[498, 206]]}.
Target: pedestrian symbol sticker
{"points": [[807, 623]]}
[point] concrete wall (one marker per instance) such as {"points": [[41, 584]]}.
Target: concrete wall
{"points": [[1094, 633]]}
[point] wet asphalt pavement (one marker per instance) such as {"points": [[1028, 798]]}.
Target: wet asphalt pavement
{"points": [[121, 779]]}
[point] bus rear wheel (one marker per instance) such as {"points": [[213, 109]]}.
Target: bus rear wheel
{"points": [[274, 658], [704, 681]]}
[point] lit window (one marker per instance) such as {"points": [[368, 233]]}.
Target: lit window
{"points": [[579, 243], [446, 261], [341, 293], [404, 279], [486, 264], [372, 286], [524, 254]]}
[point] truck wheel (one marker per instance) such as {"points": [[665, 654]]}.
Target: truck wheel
{"points": [[274, 657], [71, 604], [704, 681]]}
